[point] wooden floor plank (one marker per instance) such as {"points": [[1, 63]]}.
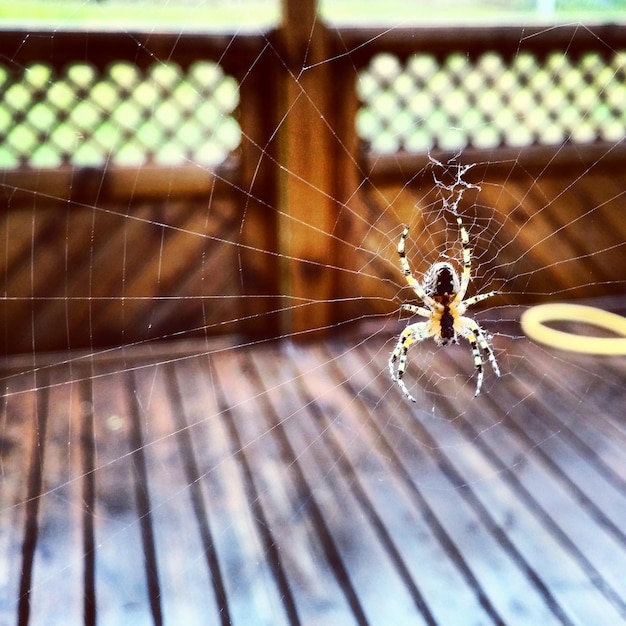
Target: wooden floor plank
{"points": [[17, 432], [251, 588], [452, 611], [497, 564], [596, 417], [121, 585], [185, 587], [290, 484], [357, 450], [536, 513], [59, 552], [585, 432], [383, 596], [559, 500], [189, 409], [283, 499], [605, 500], [570, 516]]}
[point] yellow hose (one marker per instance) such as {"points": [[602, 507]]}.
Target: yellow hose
{"points": [[533, 324]]}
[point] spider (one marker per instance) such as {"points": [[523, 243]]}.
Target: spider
{"points": [[442, 294]]}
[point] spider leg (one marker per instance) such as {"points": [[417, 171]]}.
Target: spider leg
{"points": [[411, 334], [408, 275], [478, 298], [470, 329], [416, 310], [467, 261]]}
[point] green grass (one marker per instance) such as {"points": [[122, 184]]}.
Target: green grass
{"points": [[411, 12], [219, 15], [213, 15]]}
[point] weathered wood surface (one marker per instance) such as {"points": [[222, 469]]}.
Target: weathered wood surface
{"points": [[549, 237], [84, 276], [291, 483], [299, 215], [100, 276]]}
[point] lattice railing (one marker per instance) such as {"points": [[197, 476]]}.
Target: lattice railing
{"points": [[122, 115], [487, 102]]}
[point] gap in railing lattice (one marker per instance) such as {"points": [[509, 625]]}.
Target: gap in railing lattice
{"points": [[487, 102], [123, 115]]}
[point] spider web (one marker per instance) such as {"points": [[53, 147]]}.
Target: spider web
{"points": [[276, 394]]}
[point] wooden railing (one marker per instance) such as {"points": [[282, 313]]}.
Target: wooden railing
{"points": [[295, 206]]}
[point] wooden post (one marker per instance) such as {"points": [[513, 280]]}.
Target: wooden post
{"points": [[260, 272], [305, 199]]}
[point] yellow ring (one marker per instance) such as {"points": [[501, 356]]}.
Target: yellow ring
{"points": [[533, 324]]}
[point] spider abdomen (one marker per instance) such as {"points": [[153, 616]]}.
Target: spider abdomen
{"points": [[446, 325]]}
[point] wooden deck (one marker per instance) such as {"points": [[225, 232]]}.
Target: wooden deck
{"points": [[283, 483]]}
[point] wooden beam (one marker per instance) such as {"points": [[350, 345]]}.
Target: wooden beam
{"points": [[256, 195], [84, 185], [306, 205]]}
